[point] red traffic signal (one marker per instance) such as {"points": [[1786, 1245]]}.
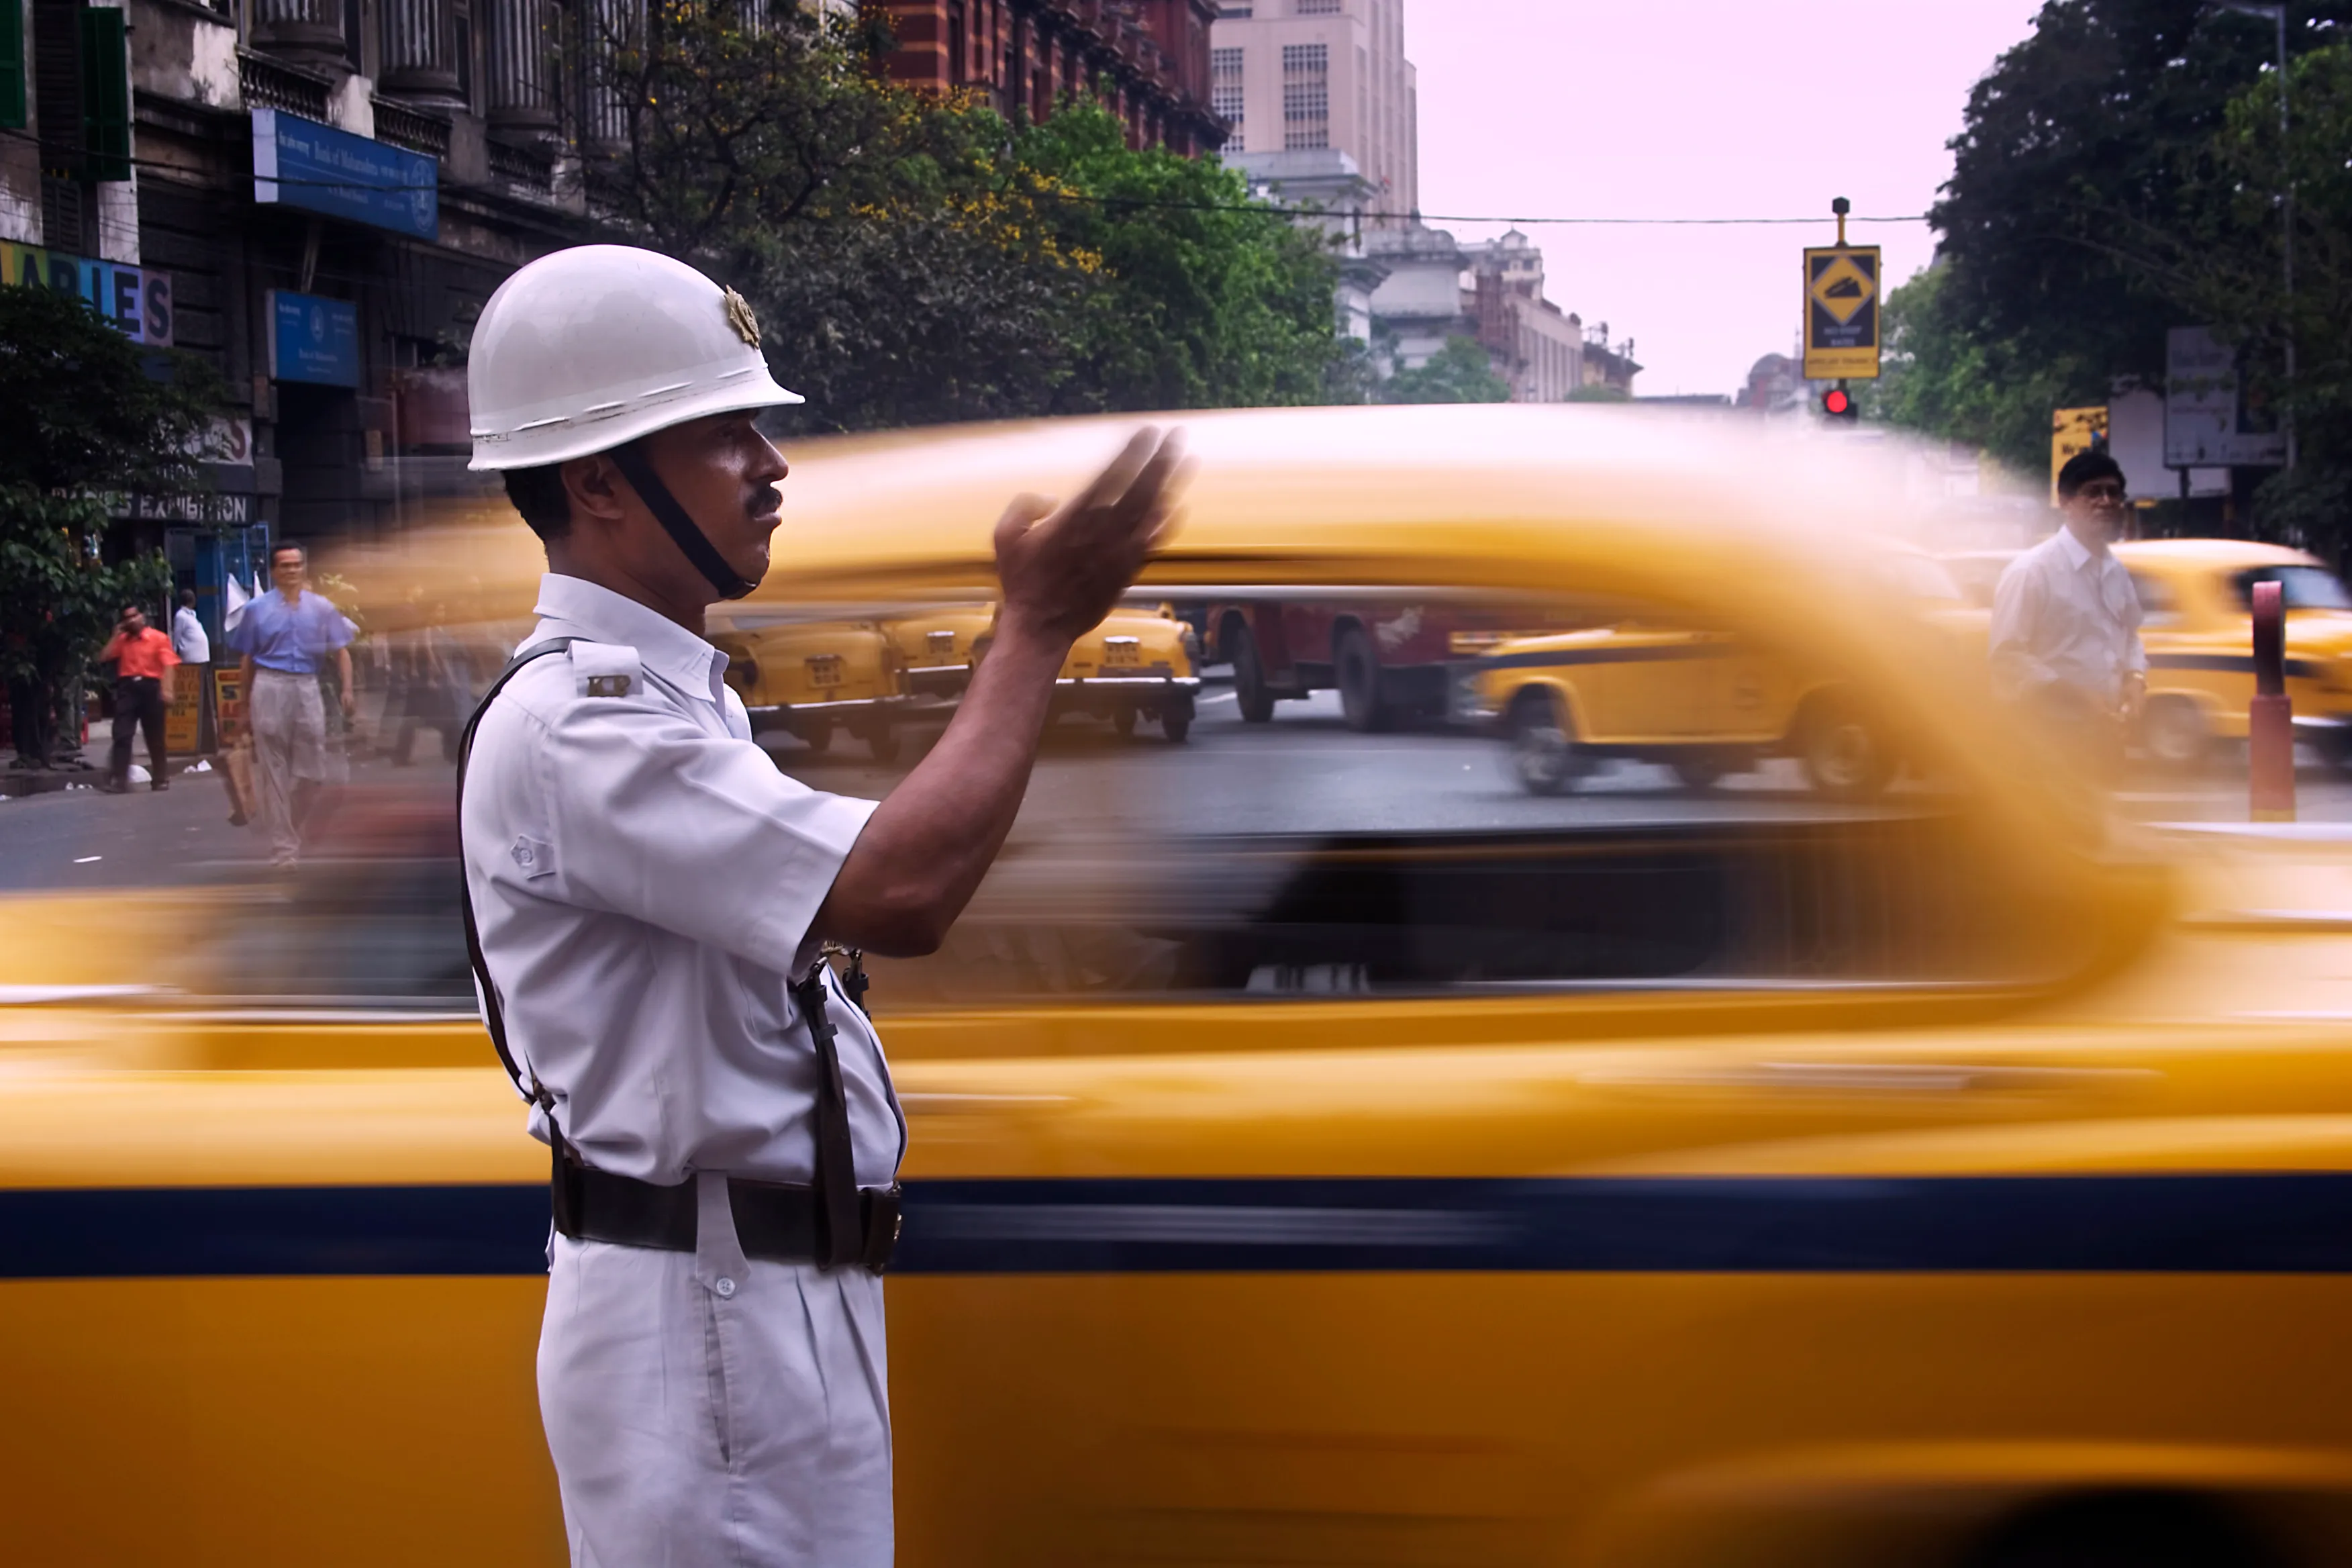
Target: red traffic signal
{"points": [[1838, 403]]}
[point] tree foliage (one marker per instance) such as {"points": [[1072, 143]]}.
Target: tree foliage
{"points": [[84, 419], [1458, 373], [917, 259]]}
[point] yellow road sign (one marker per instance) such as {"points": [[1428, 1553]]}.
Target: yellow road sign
{"points": [[1842, 312]]}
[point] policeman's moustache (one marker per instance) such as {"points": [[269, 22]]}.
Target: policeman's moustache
{"points": [[689, 539]]}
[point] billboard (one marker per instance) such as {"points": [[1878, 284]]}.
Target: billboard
{"points": [[135, 300], [2205, 422]]}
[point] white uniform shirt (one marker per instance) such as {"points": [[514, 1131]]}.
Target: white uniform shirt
{"points": [[645, 879], [2063, 615], [188, 639]]}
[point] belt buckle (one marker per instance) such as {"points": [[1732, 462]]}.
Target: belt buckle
{"points": [[884, 1219]]}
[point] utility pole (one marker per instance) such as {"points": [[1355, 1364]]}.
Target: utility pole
{"points": [[2277, 14]]}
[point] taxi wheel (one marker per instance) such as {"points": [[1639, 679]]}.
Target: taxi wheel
{"points": [[1123, 718], [1250, 694], [2175, 734], [816, 734], [1176, 723], [1356, 669], [1700, 769], [1844, 754], [1544, 755], [883, 741]]}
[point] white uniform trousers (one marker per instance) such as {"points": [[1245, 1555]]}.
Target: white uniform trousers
{"points": [[709, 1412]]}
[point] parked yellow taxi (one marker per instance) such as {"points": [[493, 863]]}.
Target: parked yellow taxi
{"points": [[2197, 598], [1702, 702], [806, 678], [935, 646], [1137, 664], [1320, 1150]]}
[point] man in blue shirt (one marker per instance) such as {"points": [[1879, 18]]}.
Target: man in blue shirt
{"points": [[285, 638]]}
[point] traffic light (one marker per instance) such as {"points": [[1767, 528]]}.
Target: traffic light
{"points": [[1837, 403]]}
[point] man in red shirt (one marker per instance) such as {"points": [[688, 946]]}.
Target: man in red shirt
{"points": [[143, 659]]}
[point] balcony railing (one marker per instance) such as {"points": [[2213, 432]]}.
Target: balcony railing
{"points": [[404, 126], [274, 84], [526, 165]]}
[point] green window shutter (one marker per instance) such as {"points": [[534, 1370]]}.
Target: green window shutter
{"points": [[11, 65], [105, 92]]}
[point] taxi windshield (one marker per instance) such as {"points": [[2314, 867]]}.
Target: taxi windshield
{"points": [[2302, 587]]}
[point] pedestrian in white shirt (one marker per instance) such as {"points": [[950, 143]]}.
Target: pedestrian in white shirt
{"points": [[195, 650], [647, 900], [2066, 618]]}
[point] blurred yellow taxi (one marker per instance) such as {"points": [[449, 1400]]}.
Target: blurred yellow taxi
{"points": [[1320, 1150], [2197, 598], [809, 678]]}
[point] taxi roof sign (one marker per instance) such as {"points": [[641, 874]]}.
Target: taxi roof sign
{"points": [[1842, 289]]}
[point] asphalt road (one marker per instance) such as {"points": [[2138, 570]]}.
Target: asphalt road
{"points": [[1304, 773]]}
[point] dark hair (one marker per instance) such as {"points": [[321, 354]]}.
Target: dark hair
{"points": [[537, 493], [282, 546], [2082, 467], [188, 597]]}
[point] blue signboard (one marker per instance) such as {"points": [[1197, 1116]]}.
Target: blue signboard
{"points": [[313, 340], [299, 162]]}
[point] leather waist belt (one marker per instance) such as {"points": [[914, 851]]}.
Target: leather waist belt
{"points": [[777, 1222]]}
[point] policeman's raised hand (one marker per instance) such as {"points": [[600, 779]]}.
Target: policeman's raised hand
{"points": [[1063, 566]]}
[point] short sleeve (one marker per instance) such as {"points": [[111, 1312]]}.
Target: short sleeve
{"points": [[655, 819]]}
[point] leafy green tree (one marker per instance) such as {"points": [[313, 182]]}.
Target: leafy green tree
{"points": [[918, 260], [1936, 375], [84, 419], [1458, 373]]}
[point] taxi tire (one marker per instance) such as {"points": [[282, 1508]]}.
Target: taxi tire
{"points": [[1176, 726], [2174, 733], [1123, 718], [816, 734], [1250, 691], [1700, 769], [1356, 671], [1845, 756], [882, 740], [1544, 756]]}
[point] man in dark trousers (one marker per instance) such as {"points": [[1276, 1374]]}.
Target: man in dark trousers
{"points": [[142, 660]]}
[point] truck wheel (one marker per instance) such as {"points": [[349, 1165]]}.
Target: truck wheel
{"points": [[1544, 755], [816, 734], [1250, 692], [1355, 668], [2174, 733], [1845, 756]]}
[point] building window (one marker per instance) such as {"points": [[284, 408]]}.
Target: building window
{"points": [[1319, 7], [1225, 87], [1306, 96]]}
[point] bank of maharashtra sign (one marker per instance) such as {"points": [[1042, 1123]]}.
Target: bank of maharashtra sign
{"points": [[1842, 314], [299, 162]]}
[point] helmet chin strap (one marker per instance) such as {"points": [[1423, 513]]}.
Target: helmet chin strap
{"points": [[690, 540]]}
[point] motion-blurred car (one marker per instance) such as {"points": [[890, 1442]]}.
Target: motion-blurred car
{"points": [[808, 679], [1320, 1153], [2197, 598]]}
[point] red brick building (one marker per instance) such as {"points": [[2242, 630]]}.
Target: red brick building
{"points": [[1148, 59]]}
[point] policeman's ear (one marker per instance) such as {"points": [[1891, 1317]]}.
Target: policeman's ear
{"points": [[595, 489]]}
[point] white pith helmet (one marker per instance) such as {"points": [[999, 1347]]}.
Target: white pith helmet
{"points": [[589, 348]]}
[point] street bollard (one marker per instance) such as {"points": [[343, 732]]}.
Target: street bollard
{"points": [[2270, 719]]}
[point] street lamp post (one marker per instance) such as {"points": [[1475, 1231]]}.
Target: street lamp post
{"points": [[2277, 14]]}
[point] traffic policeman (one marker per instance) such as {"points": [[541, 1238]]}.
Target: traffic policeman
{"points": [[647, 901]]}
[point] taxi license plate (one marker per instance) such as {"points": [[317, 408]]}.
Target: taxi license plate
{"points": [[824, 669], [1121, 650]]}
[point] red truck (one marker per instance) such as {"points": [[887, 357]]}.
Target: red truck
{"points": [[1389, 659]]}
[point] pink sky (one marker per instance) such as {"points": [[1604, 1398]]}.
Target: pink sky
{"points": [[1691, 109]]}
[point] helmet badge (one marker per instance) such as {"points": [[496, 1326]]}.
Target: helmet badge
{"points": [[740, 316]]}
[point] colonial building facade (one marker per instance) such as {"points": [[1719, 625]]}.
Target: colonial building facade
{"points": [[1148, 59]]}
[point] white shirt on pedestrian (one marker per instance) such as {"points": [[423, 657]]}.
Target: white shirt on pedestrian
{"points": [[2067, 614], [645, 880], [188, 638]]}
